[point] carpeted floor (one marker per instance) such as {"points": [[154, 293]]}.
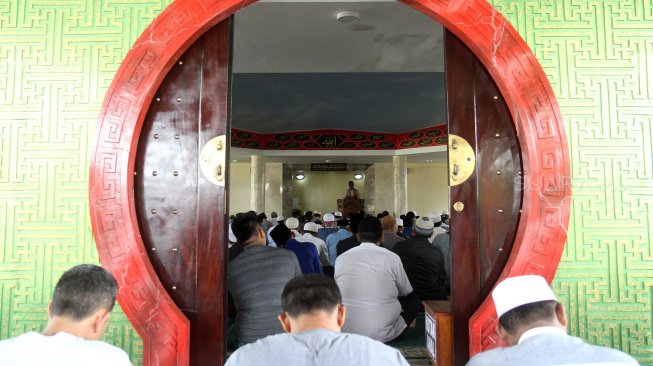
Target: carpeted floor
{"points": [[412, 344]]}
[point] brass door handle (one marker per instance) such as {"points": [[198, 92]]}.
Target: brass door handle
{"points": [[212, 160], [462, 160]]}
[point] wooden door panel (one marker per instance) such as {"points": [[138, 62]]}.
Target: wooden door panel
{"points": [[465, 286], [182, 214], [482, 233], [165, 185], [498, 159]]}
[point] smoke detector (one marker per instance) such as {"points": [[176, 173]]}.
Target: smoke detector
{"points": [[347, 17]]}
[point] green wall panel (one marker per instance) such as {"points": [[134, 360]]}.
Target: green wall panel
{"points": [[57, 59], [598, 56]]}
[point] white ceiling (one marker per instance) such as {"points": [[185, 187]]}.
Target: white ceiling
{"points": [[301, 37]]}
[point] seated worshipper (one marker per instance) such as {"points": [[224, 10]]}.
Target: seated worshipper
{"points": [[312, 318], [333, 240], [77, 318], [293, 224], [390, 237], [375, 287], [423, 262], [534, 325], [409, 222], [437, 222], [400, 228], [280, 220], [310, 236], [352, 241], [309, 260], [442, 242], [329, 227], [255, 280]]}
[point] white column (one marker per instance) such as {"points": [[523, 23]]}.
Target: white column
{"points": [[257, 196], [400, 177]]}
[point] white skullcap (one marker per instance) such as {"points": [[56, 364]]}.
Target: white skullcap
{"points": [[337, 214], [424, 226], [292, 223], [232, 237], [400, 222], [280, 218], [521, 290], [310, 226], [435, 217], [328, 217]]}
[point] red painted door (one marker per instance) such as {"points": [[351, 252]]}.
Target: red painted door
{"points": [[181, 211], [485, 185]]}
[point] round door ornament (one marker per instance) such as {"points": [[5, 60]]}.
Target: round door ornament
{"points": [[461, 160], [212, 160]]}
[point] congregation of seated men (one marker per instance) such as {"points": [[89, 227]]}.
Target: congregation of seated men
{"points": [[321, 290]]}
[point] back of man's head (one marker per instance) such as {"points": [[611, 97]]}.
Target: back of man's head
{"points": [[525, 302], [310, 293], [525, 315], [245, 226], [370, 230], [83, 290], [388, 222], [280, 234]]}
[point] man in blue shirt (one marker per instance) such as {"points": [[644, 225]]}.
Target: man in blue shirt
{"points": [[309, 259], [333, 239], [329, 227]]}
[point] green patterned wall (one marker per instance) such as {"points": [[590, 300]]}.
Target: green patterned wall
{"points": [[57, 58], [599, 58]]}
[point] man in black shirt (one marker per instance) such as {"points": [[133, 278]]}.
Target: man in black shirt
{"points": [[423, 262]]}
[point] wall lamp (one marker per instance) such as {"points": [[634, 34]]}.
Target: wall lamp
{"points": [[300, 176], [358, 176]]}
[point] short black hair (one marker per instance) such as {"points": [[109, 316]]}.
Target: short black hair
{"points": [[308, 293], [342, 223], [351, 182], [83, 290], [245, 226], [370, 229], [527, 314], [280, 234]]}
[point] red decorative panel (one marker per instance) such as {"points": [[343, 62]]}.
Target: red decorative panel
{"points": [[339, 139], [493, 40]]}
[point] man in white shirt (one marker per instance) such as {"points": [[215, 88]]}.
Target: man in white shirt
{"points": [[77, 318], [374, 286], [533, 323]]}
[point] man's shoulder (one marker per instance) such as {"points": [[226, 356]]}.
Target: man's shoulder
{"points": [[327, 344], [561, 350], [76, 351], [259, 255]]}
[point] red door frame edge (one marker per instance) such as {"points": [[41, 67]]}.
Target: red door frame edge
{"points": [[165, 330]]}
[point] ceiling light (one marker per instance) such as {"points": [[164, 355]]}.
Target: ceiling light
{"points": [[300, 176], [347, 17], [358, 176]]}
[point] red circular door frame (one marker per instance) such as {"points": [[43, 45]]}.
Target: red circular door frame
{"points": [[165, 330]]}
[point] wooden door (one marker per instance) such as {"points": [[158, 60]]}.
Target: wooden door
{"points": [[485, 208], [181, 213]]}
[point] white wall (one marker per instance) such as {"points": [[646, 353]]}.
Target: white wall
{"points": [[321, 190], [240, 181], [428, 188]]}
